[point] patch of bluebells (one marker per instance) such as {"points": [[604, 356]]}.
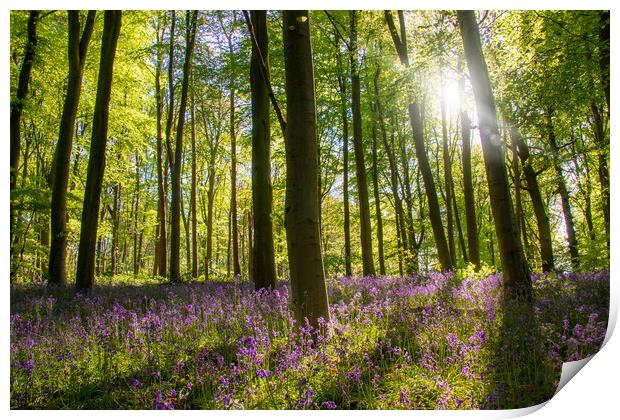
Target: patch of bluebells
{"points": [[420, 341]]}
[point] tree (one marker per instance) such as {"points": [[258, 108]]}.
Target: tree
{"points": [[264, 269], [78, 46], [358, 149], [17, 103], [544, 229], [309, 293], [517, 282], [175, 204], [96, 162], [233, 149], [468, 192], [443, 252], [160, 260]]}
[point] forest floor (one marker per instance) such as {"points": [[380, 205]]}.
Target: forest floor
{"points": [[420, 342]]}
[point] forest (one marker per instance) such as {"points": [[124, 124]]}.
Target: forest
{"points": [[347, 209]]}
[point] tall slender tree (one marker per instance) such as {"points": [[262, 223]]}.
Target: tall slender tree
{"points": [[17, 105], [468, 193], [160, 260], [415, 119], [308, 288], [263, 261], [78, 46], [542, 219], [517, 282], [175, 204], [96, 162], [358, 148]]}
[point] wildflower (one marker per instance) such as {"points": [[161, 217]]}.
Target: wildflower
{"points": [[330, 405], [136, 383], [403, 397]]}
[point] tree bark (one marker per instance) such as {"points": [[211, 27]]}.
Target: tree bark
{"points": [[263, 271], [96, 162], [17, 105], [602, 142], [161, 241], [604, 40], [233, 155], [308, 288], [175, 206], [447, 173], [571, 236], [345, 175], [77, 49], [368, 265], [542, 220], [468, 192], [517, 281], [116, 219], [194, 217], [375, 188], [443, 252]]}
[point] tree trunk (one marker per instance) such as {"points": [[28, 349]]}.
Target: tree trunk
{"points": [[96, 162], [175, 206], [136, 264], [77, 49], [604, 42], [571, 235], [161, 241], [468, 192], [375, 185], [398, 205], [309, 293], [602, 142], [116, 217], [233, 155], [345, 175], [517, 281], [358, 147], [542, 220], [447, 172], [263, 271], [193, 193], [443, 252], [17, 105]]}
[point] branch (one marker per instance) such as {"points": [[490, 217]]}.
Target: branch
{"points": [[264, 71], [335, 23]]}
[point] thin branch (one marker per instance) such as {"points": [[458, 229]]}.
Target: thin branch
{"points": [[264, 72]]}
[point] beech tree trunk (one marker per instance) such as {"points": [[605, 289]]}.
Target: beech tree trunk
{"points": [[345, 175], [375, 188], [415, 119], [161, 240], [447, 173], [17, 105], [517, 281], [194, 219], [116, 220], [443, 252], [96, 162], [263, 271], [571, 236], [358, 147], [542, 219], [468, 193], [309, 294], [77, 49], [175, 205]]}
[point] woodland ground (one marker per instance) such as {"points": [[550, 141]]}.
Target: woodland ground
{"points": [[437, 341]]}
